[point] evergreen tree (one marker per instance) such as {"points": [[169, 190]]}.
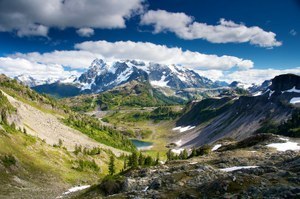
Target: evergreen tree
{"points": [[194, 153], [141, 159], [125, 163], [134, 159], [183, 154], [170, 155], [157, 158], [111, 165], [148, 161]]}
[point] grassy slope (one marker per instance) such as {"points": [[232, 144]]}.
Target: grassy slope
{"points": [[43, 168], [49, 105], [40, 168]]}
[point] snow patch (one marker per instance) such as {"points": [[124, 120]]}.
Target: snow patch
{"points": [[177, 151], [270, 94], [74, 189], [216, 147], [162, 82], [292, 90], [178, 143], [183, 129], [146, 188], [229, 169], [288, 145], [258, 93], [295, 100]]}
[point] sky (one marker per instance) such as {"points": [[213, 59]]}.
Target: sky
{"points": [[227, 40]]}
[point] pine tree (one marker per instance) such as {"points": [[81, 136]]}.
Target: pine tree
{"points": [[194, 153], [148, 161], [184, 154], [134, 159], [111, 165], [141, 159], [157, 158], [125, 163], [170, 155]]}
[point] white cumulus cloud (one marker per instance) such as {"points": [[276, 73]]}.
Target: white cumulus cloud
{"points": [[35, 17], [226, 31], [250, 76], [162, 54], [85, 32], [17, 66]]}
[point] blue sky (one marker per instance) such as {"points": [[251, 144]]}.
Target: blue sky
{"points": [[261, 38]]}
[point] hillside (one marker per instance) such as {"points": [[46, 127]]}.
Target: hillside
{"points": [[130, 95], [46, 148], [240, 117]]}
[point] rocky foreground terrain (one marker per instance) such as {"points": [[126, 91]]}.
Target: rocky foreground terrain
{"points": [[245, 169]]}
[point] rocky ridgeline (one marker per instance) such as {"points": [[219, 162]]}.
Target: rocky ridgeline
{"points": [[219, 174]]}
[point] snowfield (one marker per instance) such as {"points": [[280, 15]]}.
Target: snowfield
{"points": [[288, 145]]}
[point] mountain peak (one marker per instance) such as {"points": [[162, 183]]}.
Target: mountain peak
{"points": [[285, 82], [103, 75]]}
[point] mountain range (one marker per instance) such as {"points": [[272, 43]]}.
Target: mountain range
{"points": [[102, 76]]}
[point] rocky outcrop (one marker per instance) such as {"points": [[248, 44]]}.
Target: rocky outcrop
{"points": [[250, 171]]}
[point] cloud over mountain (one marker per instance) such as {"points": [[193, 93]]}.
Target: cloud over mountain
{"points": [[162, 54], [226, 31]]}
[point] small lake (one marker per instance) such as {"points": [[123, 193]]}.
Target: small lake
{"points": [[142, 145]]}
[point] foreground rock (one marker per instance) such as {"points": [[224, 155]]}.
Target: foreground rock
{"points": [[259, 172]]}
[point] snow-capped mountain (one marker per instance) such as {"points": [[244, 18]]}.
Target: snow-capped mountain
{"points": [[102, 75], [32, 82], [237, 84]]}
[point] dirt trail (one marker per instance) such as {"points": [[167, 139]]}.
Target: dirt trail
{"points": [[48, 127]]}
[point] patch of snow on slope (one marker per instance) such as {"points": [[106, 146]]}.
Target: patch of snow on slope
{"points": [[87, 86], [295, 100], [270, 94], [216, 147], [176, 128], [124, 75], [292, 90], [288, 145], [74, 189], [229, 169], [178, 143], [177, 151], [162, 82], [257, 93], [183, 129]]}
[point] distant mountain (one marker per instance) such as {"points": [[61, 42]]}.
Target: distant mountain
{"points": [[240, 117], [27, 80], [237, 84], [102, 76]]}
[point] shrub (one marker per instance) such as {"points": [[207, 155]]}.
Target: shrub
{"points": [[8, 160]]}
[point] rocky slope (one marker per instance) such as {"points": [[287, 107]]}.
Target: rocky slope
{"points": [[234, 170], [213, 119]]}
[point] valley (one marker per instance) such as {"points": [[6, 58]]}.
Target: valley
{"points": [[147, 99], [161, 146]]}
